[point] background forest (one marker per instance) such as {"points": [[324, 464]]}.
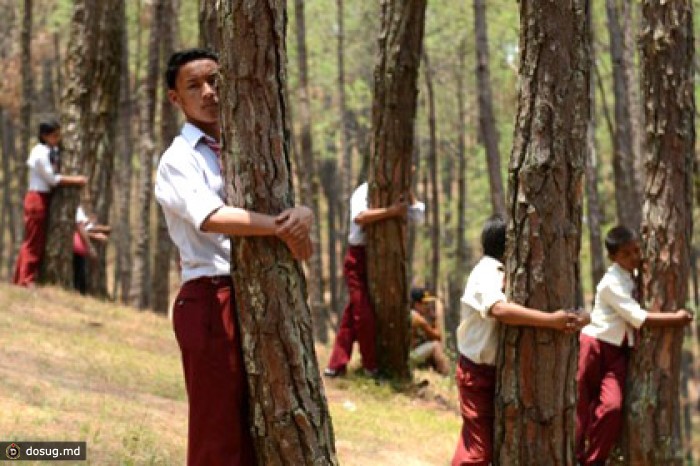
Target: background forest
{"points": [[464, 130]]}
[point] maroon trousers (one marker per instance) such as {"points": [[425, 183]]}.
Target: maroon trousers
{"points": [[477, 389], [31, 253], [602, 370], [207, 333], [358, 322]]}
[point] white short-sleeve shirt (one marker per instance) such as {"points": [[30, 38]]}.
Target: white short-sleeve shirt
{"points": [[359, 203], [42, 178], [477, 333], [615, 312], [189, 188]]}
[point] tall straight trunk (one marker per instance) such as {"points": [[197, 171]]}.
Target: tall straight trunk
{"points": [[536, 388], [628, 204], [309, 180], [84, 60], [141, 273], [123, 181], [631, 13], [59, 70], [487, 121], [25, 118], [7, 139], [290, 421], [461, 251], [393, 116], [328, 173], [48, 100], [593, 212], [434, 208], [160, 280], [346, 183], [667, 50]]}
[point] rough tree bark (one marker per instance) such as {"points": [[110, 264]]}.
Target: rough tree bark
{"points": [[291, 424], [86, 84], [487, 120], [345, 182], [309, 180], [393, 115], [536, 393], [667, 49], [160, 279]]}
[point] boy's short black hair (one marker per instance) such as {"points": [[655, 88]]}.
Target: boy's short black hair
{"points": [[493, 237], [178, 59], [421, 295], [617, 237], [47, 127]]}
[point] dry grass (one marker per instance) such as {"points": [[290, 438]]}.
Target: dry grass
{"points": [[76, 369]]}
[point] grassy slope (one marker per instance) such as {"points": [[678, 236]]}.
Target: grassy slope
{"points": [[73, 368]]}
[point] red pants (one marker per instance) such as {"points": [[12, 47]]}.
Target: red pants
{"points": [[358, 317], [602, 370], [206, 330], [31, 253], [477, 389]]}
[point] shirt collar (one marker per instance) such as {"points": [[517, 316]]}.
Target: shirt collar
{"points": [[191, 134], [622, 272], [492, 262]]}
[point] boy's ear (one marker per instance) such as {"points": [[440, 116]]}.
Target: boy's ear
{"points": [[173, 97]]}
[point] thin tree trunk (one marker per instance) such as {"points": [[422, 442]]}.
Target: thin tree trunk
{"points": [[461, 251], [329, 180], [9, 154], [536, 388], [123, 182], [290, 421], [434, 209], [629, 207], [346, 183], [25, 119], [141, 273], [653, 383], [593, 212], [393, 116], [487, 121], [168, 130], [309, 180]]}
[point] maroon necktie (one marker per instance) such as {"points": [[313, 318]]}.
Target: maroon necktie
{"points": [[216, 148]]}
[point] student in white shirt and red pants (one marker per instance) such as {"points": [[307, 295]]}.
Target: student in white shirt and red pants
{"points": [[190, 189], [604, 350], [483, 308]]}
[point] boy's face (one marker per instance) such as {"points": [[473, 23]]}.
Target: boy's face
{"points": [[195, 92], [52, 139], [629, 256]]}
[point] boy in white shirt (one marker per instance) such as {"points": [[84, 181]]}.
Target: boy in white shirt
{"points": [[484, 307], [604, 351]]}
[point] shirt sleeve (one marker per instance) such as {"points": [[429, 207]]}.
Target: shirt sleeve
{"points": [[619, 300], [416, 212], [181, 189], [484, 295], [42, 167], [358, 201]]}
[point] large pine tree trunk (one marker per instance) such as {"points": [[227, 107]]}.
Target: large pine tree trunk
{"points": [[291, 424], [629, 211], [536, 393], [168, 130], [393, 115], [668, 88], [487, 120], [141, 273], [309, 180], [83, 60]]}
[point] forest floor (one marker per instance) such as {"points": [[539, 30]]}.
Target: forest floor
{"points": [[77, 369]]}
